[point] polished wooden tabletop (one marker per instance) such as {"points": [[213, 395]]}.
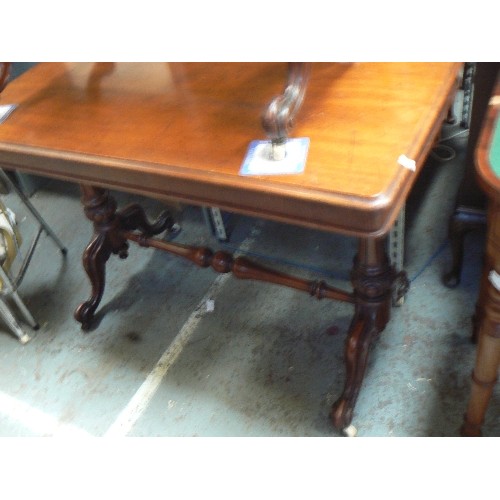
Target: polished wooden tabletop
{"points": [[182, 130]]}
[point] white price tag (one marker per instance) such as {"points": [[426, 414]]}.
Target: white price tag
{"points": [[406, 162]]}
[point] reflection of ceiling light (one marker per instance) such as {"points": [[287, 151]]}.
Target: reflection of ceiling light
{"points": [[144, 77]]}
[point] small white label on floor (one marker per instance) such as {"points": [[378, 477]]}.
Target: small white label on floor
{"points": [[258, 160], [6, 110]]}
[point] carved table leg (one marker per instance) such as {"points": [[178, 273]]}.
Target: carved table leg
{"points": [[372, 278], [486, 330], [110, 228], [100, 208]]}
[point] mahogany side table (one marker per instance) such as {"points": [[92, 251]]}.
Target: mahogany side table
{"points": [[182, 131]]}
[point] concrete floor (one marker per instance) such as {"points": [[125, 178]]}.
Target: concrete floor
{"points": [[267, 361]]}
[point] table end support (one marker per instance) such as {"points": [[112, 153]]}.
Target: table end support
{"points": [[373, 279], [109, 238]]}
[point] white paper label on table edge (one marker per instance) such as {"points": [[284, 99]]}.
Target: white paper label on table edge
{"points": [[406, 162]]}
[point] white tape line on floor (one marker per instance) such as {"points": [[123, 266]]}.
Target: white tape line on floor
{"points": [[140, 401]]}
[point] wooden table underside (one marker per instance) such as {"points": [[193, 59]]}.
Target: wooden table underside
{"points": [[182, 130]]}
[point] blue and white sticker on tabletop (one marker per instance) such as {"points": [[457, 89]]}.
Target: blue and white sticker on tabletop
{"points": [[258, 160]]}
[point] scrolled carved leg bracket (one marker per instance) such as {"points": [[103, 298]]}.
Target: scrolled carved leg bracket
{"points": [[110, 227]]}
